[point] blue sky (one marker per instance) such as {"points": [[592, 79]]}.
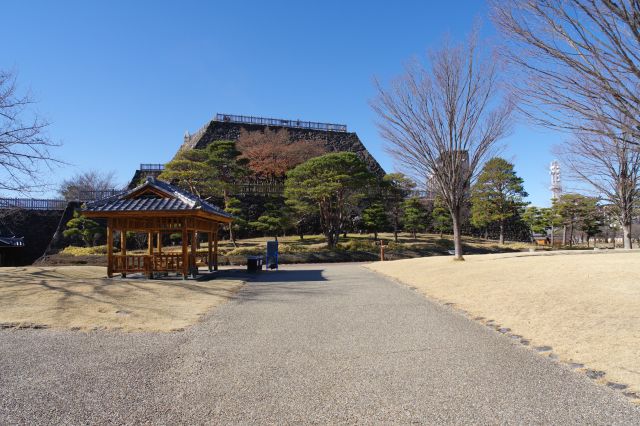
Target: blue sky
{"points": [[122, 81]]}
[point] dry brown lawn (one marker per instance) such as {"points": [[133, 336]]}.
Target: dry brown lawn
{"points": [[81, 297], [585, 305]]}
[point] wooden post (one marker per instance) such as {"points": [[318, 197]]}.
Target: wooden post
{"points": [[150, 242], [185, 254], [150, 251], [123, 250], [209, 250], [159, 242], [194, 252], [215, 248], [109, 248]]}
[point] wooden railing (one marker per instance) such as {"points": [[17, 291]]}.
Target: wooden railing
{"points": [[132, 263], [167, 262]]}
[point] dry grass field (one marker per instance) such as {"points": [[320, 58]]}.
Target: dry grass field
{"points": [[81, 297], [585, 305]]}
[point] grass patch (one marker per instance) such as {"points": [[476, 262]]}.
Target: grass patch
{"points": [[83, 298], [582, 304]]}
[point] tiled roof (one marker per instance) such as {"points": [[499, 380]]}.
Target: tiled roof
{"points": [[179, 201], [11, 242]]}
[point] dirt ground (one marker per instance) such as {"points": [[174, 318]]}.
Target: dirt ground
{"points": [[585, 305], [82, 298]]}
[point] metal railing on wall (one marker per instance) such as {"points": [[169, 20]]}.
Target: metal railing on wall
{"points": [[32, 204], [151, 167], [265, 121]]}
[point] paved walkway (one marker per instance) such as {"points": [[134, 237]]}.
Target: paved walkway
{"points": [[323, 344]]}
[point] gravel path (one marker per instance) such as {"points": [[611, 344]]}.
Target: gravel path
{"points": [[323, 344]]}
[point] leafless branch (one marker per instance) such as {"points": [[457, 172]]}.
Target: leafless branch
{"points": [[442, 120], [24, 146]]}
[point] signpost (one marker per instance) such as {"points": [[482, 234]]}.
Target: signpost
{"points": [[272, 254]]}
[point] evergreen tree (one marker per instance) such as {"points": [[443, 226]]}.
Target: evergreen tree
{"points": [[233, 206], [375, 218], [497, 195], [228, 168], [333, 185], [441, 217], [275, 220], [535, 220], [396, 187], [190, 171], [83, 228], [579, 211], [414, 216]]}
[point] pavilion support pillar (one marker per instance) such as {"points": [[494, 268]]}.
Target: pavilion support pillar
{"points": [[123, 250], [150, 252], [159, 243], [210, 250], [185, 248], [150, 242], [194, 252], [109, 248], [215, 248]]}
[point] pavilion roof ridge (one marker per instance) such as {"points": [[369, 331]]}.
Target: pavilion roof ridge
{"points": [[189, 201]]}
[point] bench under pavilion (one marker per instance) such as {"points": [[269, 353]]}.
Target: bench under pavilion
{"points": [[157, 208]]}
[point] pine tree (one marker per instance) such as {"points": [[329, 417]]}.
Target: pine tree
{"points": [[275, 220], [497, 195], [441, 217], [83, 228], [375, 218], [414, 216]]}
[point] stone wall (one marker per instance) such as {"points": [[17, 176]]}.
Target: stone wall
{"points": [[332, 141]]}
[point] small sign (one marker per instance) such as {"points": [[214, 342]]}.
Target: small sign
{"points": [[272, 254]]}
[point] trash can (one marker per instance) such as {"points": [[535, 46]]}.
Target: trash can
{"points": [[254, 263]]}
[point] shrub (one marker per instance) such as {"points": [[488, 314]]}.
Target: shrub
{"points": [[85, 251]]}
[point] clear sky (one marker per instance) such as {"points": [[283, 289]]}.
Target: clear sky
{"points": [[121, 81]]}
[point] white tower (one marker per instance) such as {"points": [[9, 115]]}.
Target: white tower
{"points": [[556, 185]]}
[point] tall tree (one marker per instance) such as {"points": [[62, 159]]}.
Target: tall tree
{"points": [[611, 166], [578, 211], [274, 220], [90, 181], [497, 195], [271, 153], [334, 183], [396, 187], [414, 216], [535, 220], [442, 121], [24, 145], [577, 63], [375, 218], [191, 171], [441, 217], [228, 167]]}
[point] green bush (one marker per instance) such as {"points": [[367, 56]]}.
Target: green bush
{"points": [[85, 251], [358, 244]]}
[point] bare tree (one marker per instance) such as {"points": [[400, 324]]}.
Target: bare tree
{"points": [[24, 147], [89, 181], [611, 166], [443, 120], [579, 62]]}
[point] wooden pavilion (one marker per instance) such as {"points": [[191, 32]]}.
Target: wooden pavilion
{"points": [[157, 208]]}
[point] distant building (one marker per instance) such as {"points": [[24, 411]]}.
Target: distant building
{"points": [[556, 184]]}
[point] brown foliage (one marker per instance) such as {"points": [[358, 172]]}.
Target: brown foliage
{"points": [[272, 153]]}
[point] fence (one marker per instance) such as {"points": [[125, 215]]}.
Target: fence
{"points": [[98, 195], [247, 119], [149, 167], [32, 204]]}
